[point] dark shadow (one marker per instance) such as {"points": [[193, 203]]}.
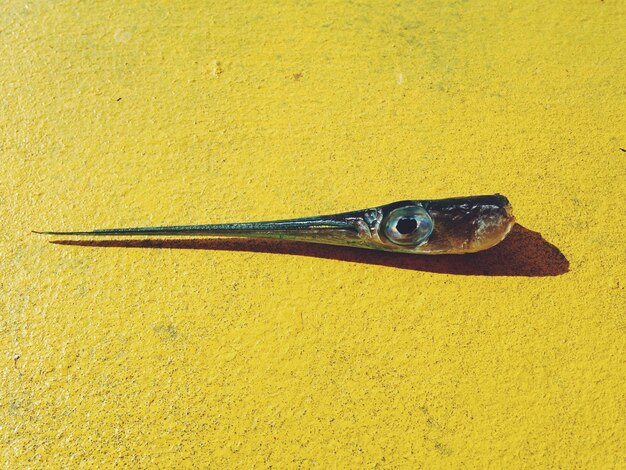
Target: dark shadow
{"points": [[522, 253]]}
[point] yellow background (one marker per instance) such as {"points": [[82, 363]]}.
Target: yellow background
{"points": [[118, 114]]}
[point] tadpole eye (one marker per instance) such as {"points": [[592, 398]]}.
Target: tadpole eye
{"points": [[409, 225]]}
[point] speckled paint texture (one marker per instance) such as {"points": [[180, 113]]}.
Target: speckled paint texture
{"points": [[180, 354]]}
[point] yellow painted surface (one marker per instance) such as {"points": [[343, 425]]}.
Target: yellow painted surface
{"points": [[117, 114]]}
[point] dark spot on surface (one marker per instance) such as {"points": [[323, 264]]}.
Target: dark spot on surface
{"points": [[442, 449], [297, 76], [165, 332], [406, 225], [119, 99], [622, 149]]}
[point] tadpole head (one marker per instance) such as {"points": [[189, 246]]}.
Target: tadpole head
{"points": [[466, 225]]}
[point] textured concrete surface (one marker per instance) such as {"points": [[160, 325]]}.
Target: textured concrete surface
{"points": [[231, 354]]}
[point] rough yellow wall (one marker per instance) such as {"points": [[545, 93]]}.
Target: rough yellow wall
{"points": [[223, 355]]}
